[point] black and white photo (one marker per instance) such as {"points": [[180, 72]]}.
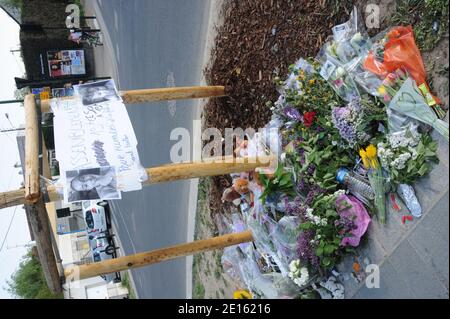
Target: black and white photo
{"points": [[92, 183], [97, 92]]}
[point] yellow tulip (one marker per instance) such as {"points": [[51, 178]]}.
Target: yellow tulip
{"points": [[242, 294], [371, 151], [382, 90], [364, 158]]}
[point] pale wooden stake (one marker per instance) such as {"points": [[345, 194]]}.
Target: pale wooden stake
{"points": [[153, 95], [155, 256], [31, 174], [39, 222]]}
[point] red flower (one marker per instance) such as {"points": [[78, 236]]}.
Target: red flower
{"points": [[308, 118]]}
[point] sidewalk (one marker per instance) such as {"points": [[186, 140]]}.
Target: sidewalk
{"points": [[105, 61], [413, 259]]}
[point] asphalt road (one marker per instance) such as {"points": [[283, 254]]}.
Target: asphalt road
{"points": [[156, 43]]}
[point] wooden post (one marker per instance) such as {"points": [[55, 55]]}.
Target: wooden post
{"points": [[165, 173], [42, 235], [31, 174], [155, 256], [153, 95]]}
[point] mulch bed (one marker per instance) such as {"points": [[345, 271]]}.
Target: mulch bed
{"points": [[257, 42]]}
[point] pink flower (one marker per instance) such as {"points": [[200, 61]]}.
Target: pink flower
{"points": [[338, 83], [386, 98]]}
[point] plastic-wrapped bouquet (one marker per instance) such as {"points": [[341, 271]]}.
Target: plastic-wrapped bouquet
{"points": [[376, 178], [339, 79], [407, 154], [408, 100]]}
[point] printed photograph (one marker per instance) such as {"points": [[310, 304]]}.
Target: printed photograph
{"points": [[97, 92], [92, 183]]}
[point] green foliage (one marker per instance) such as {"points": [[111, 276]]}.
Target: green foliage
{"points": [[199, 290], [126, 282], [281, 183], [28, 281], [422, 15]]}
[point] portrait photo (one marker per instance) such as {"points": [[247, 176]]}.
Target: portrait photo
{"points": [[92, 184], [97, 92]]}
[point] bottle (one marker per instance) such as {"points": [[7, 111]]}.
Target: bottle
{"points": [[356, 186]]}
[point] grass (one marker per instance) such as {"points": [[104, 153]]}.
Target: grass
{"points": [[199, 290], [126, 282], [422, 15]]}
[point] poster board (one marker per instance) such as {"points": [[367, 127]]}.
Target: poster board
{"points": [[95, 144], [66, 63]]}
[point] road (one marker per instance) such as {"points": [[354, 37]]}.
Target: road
{"points": [[156, 43]]}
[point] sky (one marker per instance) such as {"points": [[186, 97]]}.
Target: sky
{"points": [[11, 66]]}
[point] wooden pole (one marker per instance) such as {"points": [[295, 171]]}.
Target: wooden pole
{"points": [[31, 174], [42, 235], [155, 256], [153, 95], [165, 173]]}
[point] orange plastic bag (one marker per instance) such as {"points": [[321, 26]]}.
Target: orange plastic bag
{"points": [[400, 51]]}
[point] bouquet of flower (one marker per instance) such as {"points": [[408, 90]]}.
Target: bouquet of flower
{"points": [[376, 179], [406, 155], [354, 121], [339, 79], [323, 231], [409, 101]]}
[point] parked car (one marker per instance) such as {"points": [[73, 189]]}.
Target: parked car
{"points": [[96, 215], [103, 243], [115, 277]]}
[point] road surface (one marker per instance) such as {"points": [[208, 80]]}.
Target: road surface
{"points": [[156, 43]]}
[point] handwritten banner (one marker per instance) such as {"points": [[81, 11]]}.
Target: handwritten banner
{"points": [[95, 144]]}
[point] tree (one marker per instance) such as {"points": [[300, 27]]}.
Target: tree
{"points": [[28, 281]]}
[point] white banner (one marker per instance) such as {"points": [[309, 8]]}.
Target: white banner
{"points": [[95, 144]]}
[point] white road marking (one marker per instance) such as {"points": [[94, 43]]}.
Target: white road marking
{"points": [[172, 104]]}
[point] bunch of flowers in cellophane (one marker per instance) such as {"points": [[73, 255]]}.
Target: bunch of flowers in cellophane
{"points": [[342, 58], [376, 178], [406, 155], [258, 267], [403, 97], [396, 49]]}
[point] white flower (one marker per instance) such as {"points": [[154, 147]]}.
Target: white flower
{"points": [[340, 72], [302, 278], [339, 192]]}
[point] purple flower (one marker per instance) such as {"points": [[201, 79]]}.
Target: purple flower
{"points": [[343, 121], [305, 249], [292, 113]]}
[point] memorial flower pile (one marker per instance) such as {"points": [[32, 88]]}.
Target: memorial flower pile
{"points": [[304, 217]]}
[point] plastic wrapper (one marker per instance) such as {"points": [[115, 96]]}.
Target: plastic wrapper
{"points": [[357, 213], [244, 269], [396, 49], [284, 237], [340, 80], [349, 41], [366, 80], [410, 102], [408, 195]]}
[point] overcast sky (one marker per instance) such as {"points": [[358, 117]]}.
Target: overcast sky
{"points": [[9, 176]]}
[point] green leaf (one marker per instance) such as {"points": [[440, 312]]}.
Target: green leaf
{"points": [[326, 261], [306, 226], [319, 251], [329, 249], [423, 169]]}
